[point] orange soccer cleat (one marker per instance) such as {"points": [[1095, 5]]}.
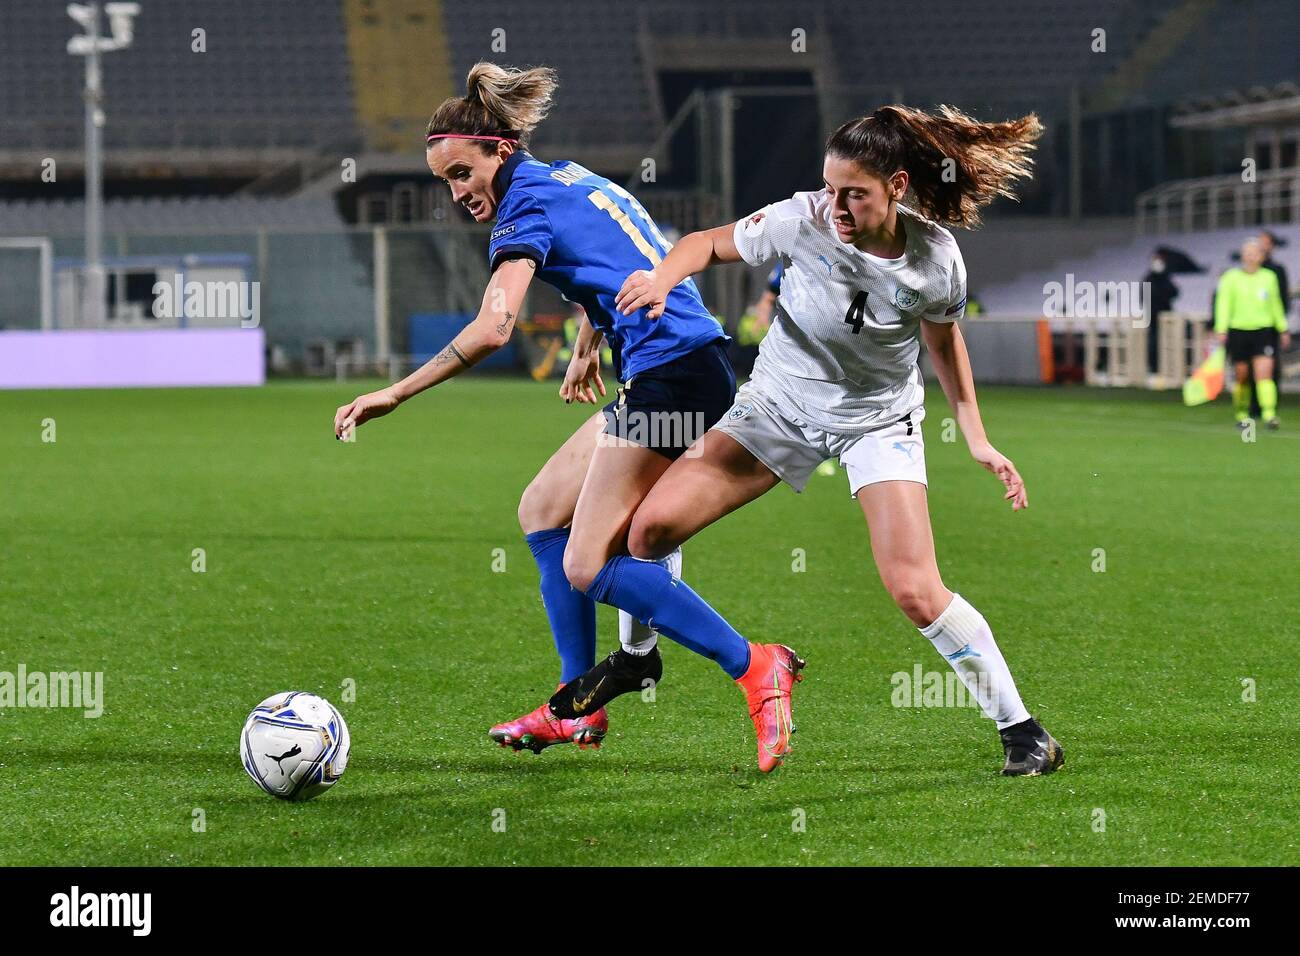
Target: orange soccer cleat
{"points": [[773, 671]]}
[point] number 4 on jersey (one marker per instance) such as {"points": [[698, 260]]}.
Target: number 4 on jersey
{"points": [[856, 310]]}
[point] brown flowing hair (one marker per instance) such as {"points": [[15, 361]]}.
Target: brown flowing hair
{"points": [[498, 101], [956, 164]]}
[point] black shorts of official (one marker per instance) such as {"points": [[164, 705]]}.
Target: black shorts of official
{"points": [[1245, 344], [669, 407]]}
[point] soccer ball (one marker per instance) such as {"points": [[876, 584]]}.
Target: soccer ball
{"points": [[295, 745]]}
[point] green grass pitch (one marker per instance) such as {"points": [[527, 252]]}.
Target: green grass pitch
{"points": [[373, 562]]}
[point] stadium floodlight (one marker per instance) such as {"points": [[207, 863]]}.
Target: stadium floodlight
{"points": [[82, 14], [120, 17], [90, 45]]}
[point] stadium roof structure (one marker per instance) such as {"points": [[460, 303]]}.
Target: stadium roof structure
{"points": [[1258, 105]]}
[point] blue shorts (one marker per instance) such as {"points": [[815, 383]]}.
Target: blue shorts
{"points": [[669, 407]]}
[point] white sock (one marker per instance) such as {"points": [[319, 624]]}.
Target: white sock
{"points": [[965, 640], [635, 637]]}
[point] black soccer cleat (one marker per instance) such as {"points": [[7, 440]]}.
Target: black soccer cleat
{"points": [[619, 673], [1031, 750]]}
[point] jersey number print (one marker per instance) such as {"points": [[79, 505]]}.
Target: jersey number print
{"points": [[857, 308], [618, 206]]}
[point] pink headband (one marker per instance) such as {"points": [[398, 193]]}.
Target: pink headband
{"points": [[500, 139]]}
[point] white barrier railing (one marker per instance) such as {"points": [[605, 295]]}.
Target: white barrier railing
{"points": [[1111, 351]]}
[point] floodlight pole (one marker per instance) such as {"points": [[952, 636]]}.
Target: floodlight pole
{"points": [[90, 45], [94, 96]]}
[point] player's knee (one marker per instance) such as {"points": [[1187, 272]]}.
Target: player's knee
{"points": [[579, 569], [650, 538], [537, 509], [916, 597]]}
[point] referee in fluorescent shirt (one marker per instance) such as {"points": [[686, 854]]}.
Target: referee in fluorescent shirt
{"points": [[1249, 319]]}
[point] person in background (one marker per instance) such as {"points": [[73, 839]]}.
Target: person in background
{"points": [[756, 321], [1248, 319], [1268, 242], [1160, 299]]}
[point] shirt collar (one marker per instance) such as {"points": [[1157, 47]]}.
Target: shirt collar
{"points": [[506, 174]]}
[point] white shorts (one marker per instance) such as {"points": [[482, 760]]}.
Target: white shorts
{"points": [[793, 449]]}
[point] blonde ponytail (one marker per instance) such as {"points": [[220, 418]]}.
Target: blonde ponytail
{"points": [[499, 101]]}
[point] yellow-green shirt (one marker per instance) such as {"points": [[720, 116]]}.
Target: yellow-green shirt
{"points": [[1248, 300]]}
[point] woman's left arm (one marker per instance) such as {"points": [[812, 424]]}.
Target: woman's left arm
{"points": [[952, 366]]}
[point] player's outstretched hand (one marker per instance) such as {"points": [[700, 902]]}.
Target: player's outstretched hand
{"points": [[361, 409], [642, 290], [578, 380], [1005, 469]]}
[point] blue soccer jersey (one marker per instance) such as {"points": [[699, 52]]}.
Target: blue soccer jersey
{"points": [[587, 236]]}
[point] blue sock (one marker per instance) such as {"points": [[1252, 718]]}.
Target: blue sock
{"points": [[572, 614], [647, 591]]}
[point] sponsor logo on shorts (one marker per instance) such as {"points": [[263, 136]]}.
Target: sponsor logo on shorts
{"points": [[739, 411], [906, 298], [905, 447]]}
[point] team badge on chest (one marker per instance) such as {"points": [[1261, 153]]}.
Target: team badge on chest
{"points": [[906, 298]]}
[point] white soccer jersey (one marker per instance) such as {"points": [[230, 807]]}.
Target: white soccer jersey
{"points": [[842, 350]]}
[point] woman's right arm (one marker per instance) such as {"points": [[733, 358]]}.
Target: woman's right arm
{"points": [[489, 331], [649, 288]]}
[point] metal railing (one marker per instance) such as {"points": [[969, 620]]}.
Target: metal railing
{"points": [[1221, 202]]}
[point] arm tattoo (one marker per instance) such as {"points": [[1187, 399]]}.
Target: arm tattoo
{"points": [[520, 257], [449, 354], [504, 325]]}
